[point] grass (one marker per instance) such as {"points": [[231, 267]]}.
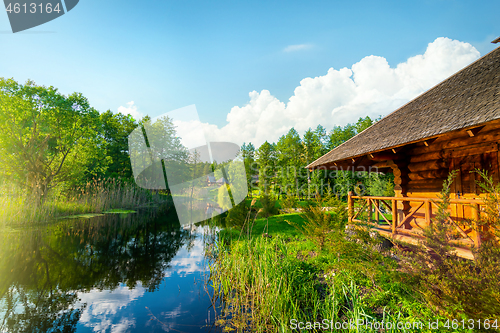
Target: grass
{"points": [[95, 198], [273, 226], [277, 275], [308, 271]]}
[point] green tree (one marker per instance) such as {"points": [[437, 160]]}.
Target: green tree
{"points": [[339, 135], [313, 149], [290, 152], [363, 123], [248, 155], [116, 129], [266, 161], [46, 138]]}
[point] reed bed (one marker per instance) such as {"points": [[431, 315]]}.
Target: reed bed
{"points": [[263, 287], [271, 276], [20, 208]]}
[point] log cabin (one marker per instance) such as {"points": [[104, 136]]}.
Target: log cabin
{"points": [[453, 126]]}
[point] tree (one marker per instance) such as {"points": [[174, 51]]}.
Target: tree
{"points": [[157, 153], [116, 129], [313, 148], [339, 135], [46, 138], [266, 161], [320, 131], [248, 155], [290, 151], [363, 123]]}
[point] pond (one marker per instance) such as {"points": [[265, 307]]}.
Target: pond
{"points": [[113, 273]]}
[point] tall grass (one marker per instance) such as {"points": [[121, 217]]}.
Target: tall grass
{"points": [[263, 286], [19, 207]]}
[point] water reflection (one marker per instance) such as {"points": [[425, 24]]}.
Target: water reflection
{"points": [[105, 274]]}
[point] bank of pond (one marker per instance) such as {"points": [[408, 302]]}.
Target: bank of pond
{"points": [[141, 271]]}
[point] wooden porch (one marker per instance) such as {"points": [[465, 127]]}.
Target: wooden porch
{"points": [[404, 218]]}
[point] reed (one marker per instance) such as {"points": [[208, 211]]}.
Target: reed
{"points": [[263, 286], [20, 207], [277, 276]]}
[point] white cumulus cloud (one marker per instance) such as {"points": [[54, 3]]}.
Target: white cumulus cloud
{"points": [[371, 87], [130, 109]]}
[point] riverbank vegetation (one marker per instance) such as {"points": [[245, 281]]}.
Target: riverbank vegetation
{"points": [[285, 268], [308, 267], [60, 156], [18, 208]]}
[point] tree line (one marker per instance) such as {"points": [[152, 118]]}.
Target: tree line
{"points": [[280, 166], [49, 140], [53, 141]]}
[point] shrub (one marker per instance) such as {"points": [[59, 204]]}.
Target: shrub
{"points": [[289, 203], [268, 205], [322, 215], [454, 286]]}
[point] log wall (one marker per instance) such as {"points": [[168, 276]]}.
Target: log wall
{"points": [[428, 165]]}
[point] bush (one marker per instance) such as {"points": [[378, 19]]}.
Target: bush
{"points": [[456, 287], [322, 215], [268, 205], [289, 203]]}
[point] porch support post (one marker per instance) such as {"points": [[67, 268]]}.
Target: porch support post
{"points": [[394, 215], [475, 217], [350, 206]]}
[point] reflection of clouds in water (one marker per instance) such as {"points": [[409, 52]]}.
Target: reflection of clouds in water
{"points": [[172, 314], [122, 326], [102, 313], [102, 305], [168, 319], [188, 261]]}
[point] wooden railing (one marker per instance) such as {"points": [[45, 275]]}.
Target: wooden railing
{"points": [[396, 221]]}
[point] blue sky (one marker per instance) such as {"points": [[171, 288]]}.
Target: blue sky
{"points": [[165, 55]]}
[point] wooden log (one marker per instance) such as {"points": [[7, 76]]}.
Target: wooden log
{"points": [[350, 205], [370, 210], [394, 216], [475, 218], [422, 193], [427, 157], [386, 156], [429, 165], [456, 140], [431, 174], [426, 183], [428, 212], [474, 150]]}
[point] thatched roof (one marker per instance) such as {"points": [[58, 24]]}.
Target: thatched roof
{"points": [[468, 98]]}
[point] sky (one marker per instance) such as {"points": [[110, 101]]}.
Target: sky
{"points": [[253, 69]]}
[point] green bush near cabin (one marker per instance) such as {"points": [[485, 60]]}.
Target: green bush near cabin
{"points": [[277, 274]]}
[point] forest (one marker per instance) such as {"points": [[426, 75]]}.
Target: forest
{"points": [[61, 156]]}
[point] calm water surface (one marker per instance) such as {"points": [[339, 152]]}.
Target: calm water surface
{"points": [[118, 273]]}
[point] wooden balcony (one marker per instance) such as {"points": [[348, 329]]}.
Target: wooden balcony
{"points": [[404, 218]]}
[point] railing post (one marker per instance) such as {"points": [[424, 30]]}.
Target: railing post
{"points": [[377, 207], [428, 212], [475, 216], [394, 215], [369, 209], [350, 206]]}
